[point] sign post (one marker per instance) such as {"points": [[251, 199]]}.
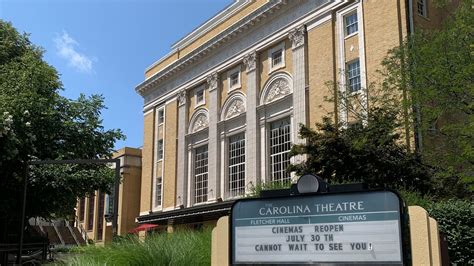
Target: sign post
{"points": [[356, 227]]}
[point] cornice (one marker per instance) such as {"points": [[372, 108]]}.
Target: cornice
{"points": [[222, 38]]}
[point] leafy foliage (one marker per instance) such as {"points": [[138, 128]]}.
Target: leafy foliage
{"points": [[37, 123], [358, 153], [455, 219], [436, 67]]}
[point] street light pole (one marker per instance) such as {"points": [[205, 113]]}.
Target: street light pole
{"points": [[80, 161]]}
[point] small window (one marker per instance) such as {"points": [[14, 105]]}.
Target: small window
{"points": [[276, 57], [199, 96], [351, 23], [421, 7], [158, 189], [159, 150], [161, 116], [353, 76], [233, 78]]}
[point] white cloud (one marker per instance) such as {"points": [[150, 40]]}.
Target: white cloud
{"points": [[66, 47]]}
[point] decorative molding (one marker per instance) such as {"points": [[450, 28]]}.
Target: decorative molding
{"points": [[250, 61], [297, 36], [235, 105], [182, 98], [212, 81], [277, 87], [155, 89], [217, 41], [199, 121]]}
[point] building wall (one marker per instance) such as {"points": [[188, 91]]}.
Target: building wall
{"points": [[129, 199], [147, 162], [169, 194], [314, 69]]}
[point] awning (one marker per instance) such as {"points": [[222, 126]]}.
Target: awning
{"points": [[142, 227]]}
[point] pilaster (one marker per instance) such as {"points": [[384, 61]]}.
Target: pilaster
{"points": [[213, 185], [297, 37], [182, 176], [252, 131]]}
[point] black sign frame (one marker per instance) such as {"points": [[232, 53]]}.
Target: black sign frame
{"points": [[404, 227]]}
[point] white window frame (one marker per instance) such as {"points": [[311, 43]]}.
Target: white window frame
{"points": [[268, 140], [345, 24], [160, 152], [228, 165], [424, 8], [196, 92], [229, 81], [193, 180], [161, 120], [348, 78], [271, 67], [161, 192]]}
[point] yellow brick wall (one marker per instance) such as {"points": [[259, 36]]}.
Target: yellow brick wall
{"points": [[263, 63], [169, 177], [147, 162], [321, 60]]}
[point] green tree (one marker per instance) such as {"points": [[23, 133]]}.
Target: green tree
{"points": [[357, 153], [36, 122], [436, 67]]}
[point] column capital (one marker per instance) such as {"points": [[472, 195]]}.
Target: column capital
{"points": [[212, 81], [296, 36], [182, 99], [250, 61]]}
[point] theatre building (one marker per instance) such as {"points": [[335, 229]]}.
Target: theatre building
{"points": [[223, 107]]}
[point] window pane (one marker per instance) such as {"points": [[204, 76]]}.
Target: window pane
{"points": [[279, 148], [237, 165], [161, 116], [200, 174], [158, 189], [353, 76], [351, 23], [277, 57], [159, 149]]}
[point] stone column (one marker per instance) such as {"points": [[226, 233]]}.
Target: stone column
{"points": [[182, 171], [297, 37], [252, 161], [213, 185]]}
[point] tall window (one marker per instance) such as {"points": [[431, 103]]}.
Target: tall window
{"points": [[277, 58], [158, 188], [82, 209], [159, 150], [100, 221], [237, 165], [421, 7], [351, 23], [280, 145], [90, 219], [353, 76], [200, 174]]}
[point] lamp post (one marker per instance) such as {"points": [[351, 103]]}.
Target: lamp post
{"points": [[79, 161]]}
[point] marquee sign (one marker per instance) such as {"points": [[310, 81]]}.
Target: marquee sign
{"points": [[362, 227]]}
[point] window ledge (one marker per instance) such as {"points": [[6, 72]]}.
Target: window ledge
{"points": [[275, 68], [351, 35], [199, 105], [235, 87]]}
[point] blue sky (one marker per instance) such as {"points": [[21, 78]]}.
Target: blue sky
{"points": [[104, 46]]}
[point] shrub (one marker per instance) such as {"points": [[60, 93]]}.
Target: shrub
{"points": [[180, 248], [455, 220]]}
